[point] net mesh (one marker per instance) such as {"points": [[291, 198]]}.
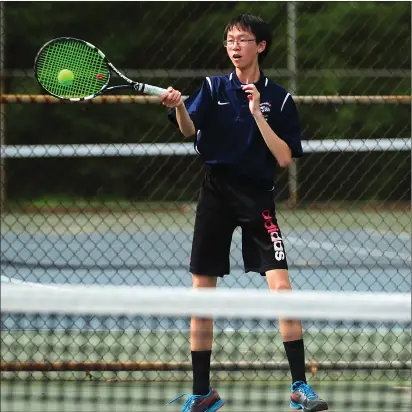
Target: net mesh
{"points": [[89, 68], [126, 348]]}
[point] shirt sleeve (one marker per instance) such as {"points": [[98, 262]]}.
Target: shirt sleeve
{"points": [[290, 126], [198, 106]]}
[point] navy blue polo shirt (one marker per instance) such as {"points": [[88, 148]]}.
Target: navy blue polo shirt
{"points": [[227, 137]]}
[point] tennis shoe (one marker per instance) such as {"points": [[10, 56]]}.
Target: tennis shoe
{"points": [[302, 397], [201, 403]]}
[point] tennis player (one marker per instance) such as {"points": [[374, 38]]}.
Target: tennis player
{"points": [[244, 125]]}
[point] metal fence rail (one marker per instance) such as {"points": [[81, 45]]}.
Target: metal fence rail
{"points": [[105, 192]]}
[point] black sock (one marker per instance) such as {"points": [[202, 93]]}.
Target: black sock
{"points": [[201, 371], [295, 353]]}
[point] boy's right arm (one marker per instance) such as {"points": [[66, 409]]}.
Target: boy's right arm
{"points": [[186, 124], [173, 99]]}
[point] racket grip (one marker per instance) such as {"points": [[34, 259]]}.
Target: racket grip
{"points": [[152, 90]]}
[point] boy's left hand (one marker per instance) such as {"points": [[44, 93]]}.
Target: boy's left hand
{"points": [[254, 98]]}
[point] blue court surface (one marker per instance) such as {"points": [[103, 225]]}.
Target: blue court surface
{"points": [[326, 251], [337, 251]]}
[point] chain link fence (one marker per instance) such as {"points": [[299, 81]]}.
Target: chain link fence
{"points": [[106, 193]]}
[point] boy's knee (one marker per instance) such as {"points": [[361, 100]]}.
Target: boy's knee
{"points": [[203, 281]]}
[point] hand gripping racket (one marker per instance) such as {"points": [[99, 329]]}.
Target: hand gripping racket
{"points": [[75, 70]]}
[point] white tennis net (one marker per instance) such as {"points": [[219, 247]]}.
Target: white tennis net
{"points": [[64, 346]]}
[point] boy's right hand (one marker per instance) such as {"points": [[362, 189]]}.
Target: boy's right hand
{"points": [[172, 98]]}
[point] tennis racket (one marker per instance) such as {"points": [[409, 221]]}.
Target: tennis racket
{"points": [[75, 70]]}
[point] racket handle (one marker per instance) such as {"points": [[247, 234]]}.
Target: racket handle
{"points": [[151, 90]]}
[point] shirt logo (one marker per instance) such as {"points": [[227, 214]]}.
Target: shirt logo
{"points": [[265, 108], [222, 103]]}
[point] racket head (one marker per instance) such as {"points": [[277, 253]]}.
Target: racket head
{"points": [[91, 73]]}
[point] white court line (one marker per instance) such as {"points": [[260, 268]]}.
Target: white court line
{"points": [[370, 409], [401, 236], [314, 244], [404, 408], [349, 248], [14, 281]]}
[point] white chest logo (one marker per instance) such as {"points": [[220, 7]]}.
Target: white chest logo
{"points": [[265, 108]]}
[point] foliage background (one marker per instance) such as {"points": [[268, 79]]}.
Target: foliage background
{"points": [[331, 36]]}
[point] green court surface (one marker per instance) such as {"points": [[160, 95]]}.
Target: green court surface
{"points": [[359, 250], [182, 217], [89, 396], [340, 345]]}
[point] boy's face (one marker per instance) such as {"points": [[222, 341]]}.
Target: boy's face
{"points": [[242, 48]]}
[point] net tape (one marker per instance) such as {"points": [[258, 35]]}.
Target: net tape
{"points": [[224, 303]]}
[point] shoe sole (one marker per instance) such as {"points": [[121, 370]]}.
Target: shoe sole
{"points": [[318, 408], [216, 406]]}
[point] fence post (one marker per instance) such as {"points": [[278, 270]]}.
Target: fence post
{"points": [[291, 65], [2, 108]]}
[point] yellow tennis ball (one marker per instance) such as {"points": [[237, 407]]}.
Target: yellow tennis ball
{"points": [[65, 77]]}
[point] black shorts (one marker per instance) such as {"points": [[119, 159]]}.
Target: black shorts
{"points": [[224, 205]]}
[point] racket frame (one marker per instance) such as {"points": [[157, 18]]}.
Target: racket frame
{"points": [[131, 85]]}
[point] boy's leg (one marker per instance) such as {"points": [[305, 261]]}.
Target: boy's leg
{"points": [[201, 341], [302, 395], [214, 226], [264, 252], [290, 330]]}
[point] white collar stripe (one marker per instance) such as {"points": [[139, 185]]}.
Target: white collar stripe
{"points": [[210, 84], [284, 101]]}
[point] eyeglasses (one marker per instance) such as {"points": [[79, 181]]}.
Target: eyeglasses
{"points": [[242, 43]]}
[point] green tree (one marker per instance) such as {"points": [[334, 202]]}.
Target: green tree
{"points": [[188, 35]]}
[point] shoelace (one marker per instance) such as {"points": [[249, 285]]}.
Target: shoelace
{"points": [[307, 390], [188, 401]]}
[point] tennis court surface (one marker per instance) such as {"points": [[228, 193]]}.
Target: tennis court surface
{"points": [[92, 362], [151, 397], [344, 250], [68, 348]]}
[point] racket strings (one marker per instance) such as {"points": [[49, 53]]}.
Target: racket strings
{"points": [[85, 62]]}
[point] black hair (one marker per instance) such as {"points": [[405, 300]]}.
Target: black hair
{"points": [[256, 25]]}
